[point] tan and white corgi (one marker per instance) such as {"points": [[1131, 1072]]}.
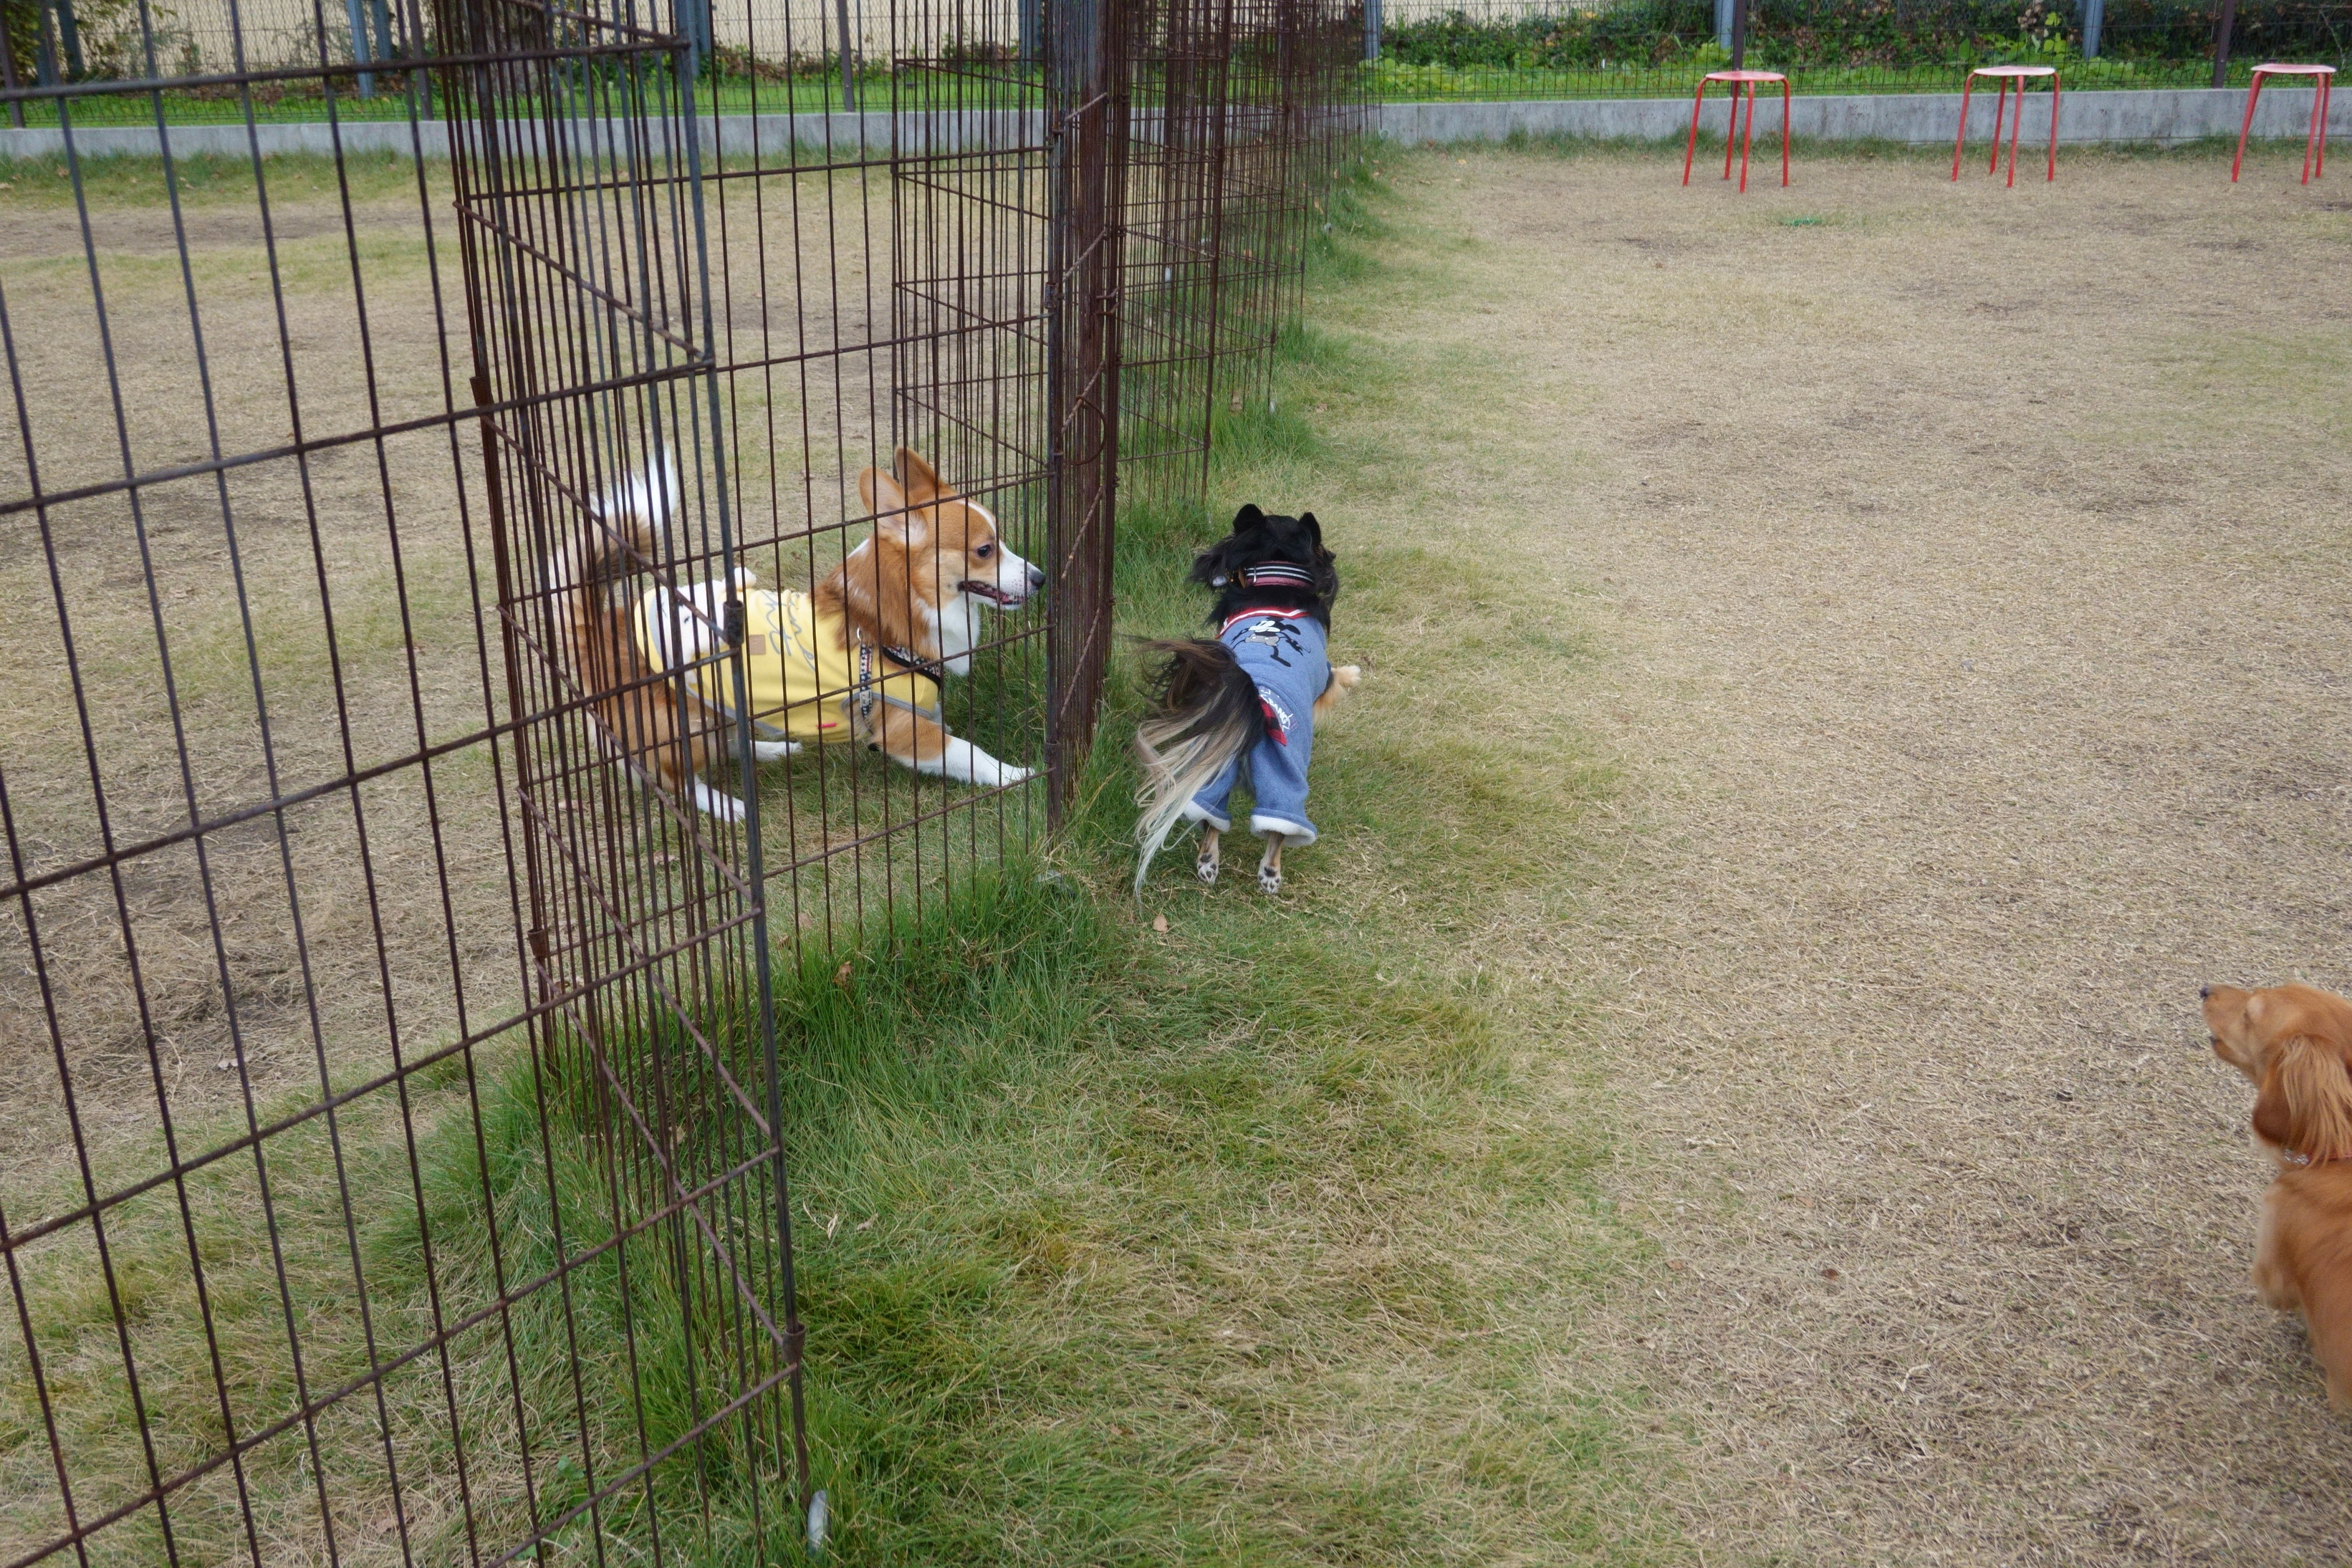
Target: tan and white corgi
{"points": [[859, 659]]}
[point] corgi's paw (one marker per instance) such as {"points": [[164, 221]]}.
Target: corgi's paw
{"points": [[774, 750], [1269, 879], [1347, 676], [717, 802], [1206, 869]]}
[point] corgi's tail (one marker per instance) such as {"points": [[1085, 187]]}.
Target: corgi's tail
{"points": [[1208, 714], [580, 573]]}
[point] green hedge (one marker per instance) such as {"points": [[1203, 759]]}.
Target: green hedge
{"points": [[1860, 33]]}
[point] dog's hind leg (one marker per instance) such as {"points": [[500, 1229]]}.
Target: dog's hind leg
{"points": [[2328, 1316], [1210, 855], [774, 750], [1269, 865], [1344, 678]]}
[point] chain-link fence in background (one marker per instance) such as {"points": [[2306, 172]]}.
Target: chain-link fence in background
{"points": [[391, 1086], [771, 57]]}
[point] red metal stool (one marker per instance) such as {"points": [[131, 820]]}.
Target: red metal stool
{"points": [[2315, 141], [2005, 75], [1737, 80]]}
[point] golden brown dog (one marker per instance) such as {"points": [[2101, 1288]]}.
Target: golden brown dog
{"points": [[2293, 1043]]}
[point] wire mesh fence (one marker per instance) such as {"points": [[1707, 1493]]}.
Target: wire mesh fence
{"points": [[497, 613]]}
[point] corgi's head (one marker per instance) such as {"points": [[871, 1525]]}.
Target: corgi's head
{"points": [[952, 545], [934, 558]]}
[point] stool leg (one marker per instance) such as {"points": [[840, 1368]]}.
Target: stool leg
{"points": [[1691, 150], [2053, 131], [1784, 135], [1747, 134], [1999, 105], [2016, 125], [2318, 107], [2254, 95], [1731, 131], [2326, 102], [1959, 141]]}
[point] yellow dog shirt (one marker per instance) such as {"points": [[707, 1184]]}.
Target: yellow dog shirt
{"points": [[800, 668]]}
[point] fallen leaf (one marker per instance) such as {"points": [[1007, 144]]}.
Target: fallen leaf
{"points": [[1159, 923], [1675, 1264], [1828, 1273], [841, 976]]}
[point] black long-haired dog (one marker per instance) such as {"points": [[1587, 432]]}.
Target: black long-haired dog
{"points": [[1254, 692]]}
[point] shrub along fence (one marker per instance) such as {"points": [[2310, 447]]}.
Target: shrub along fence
{"points": [[1650, 49]]}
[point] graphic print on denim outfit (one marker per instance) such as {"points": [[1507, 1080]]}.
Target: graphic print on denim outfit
{"points": [[1283, 652]]}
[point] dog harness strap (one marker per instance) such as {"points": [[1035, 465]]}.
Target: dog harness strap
{"points": [[869, 694], [923, 666]]}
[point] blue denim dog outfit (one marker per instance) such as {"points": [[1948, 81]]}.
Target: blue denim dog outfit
{"points": [[1283, 652]]}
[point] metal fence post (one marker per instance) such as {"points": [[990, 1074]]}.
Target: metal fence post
{"points": [[8, 76], [2222, 31], [1738, 35], [356, 10], [848, 61], [1723, 13], [1372, 29], [2094, 12], [694, 27], [1088, 108]]}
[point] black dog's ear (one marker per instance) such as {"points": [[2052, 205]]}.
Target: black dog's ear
{"points": [[1327, 565], [1212, 566]]}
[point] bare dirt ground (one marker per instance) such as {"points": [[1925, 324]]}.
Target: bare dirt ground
{"points": [[1972, 564]]}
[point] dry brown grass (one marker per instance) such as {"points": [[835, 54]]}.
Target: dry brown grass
{"points": [[1974, 563]]}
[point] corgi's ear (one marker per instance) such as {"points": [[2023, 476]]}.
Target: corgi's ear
{"points": [[883, 498], [916, 478], [2306, 1104]]}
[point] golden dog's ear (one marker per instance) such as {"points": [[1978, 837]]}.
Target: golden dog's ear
{"points": [[916, 478], [2306, 1104]]}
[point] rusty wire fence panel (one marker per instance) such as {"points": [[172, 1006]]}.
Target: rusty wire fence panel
{"points": [[391, 1166], [388, 1165], [884, 278]]}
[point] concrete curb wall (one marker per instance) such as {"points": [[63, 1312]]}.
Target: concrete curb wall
{"points": [[2164, 115], [847, 135]]}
